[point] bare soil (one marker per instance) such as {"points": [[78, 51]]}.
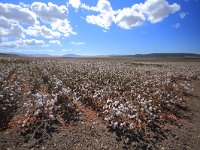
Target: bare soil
{"points": [[188, 135]]}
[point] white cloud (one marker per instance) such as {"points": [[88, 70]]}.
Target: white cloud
{"points": [[50, 12], [105, 17], [32, 42], [78, 43], [151, 10], [18, 13], [183, 15], [75, 3], [177, 25], [42, 31], [10, 29], [157, 10], [55, 42], [64, 27], [5, 23], [12, 44], [22, 43], [128, 18], [55, 15]]}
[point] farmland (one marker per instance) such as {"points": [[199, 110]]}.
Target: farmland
{"points": [[97, 103]]}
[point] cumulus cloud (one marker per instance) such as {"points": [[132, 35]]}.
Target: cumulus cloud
{"points": [[9, 44], [10, 29], [105, 17], [75, 3], [32, 42], [128, 18], [17, 21], [55, 15], [42, 31], [18, 13], [64, 27], [22, 43], [153, 11], [5, 23], [50, 12], [55, 42], [157, 10]]}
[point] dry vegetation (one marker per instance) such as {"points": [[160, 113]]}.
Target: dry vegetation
{"points": [[137, 101]]}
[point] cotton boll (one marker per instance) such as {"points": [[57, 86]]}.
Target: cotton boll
{"points": [[118, 113], [142, 109], [131, 126], [37, 112], [115, 124], [150, 108], [131, 116], [51, 117]]}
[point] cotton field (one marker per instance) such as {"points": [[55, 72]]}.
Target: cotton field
{"points": [[135, 101]]}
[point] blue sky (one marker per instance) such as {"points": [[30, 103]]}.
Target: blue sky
{"points": [[99, 27]]}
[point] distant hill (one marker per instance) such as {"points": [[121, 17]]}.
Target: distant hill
{"points": [[4, 54], [21, 54], [71, 55], [168, 55], [160, 55]]}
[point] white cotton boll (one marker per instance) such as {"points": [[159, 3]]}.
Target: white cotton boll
{"points": [[107, 119], [37, 112], [25, 105], [118, 113], [48, 103], [105, 107], [136, 114], [155, 108], [115, 124], [142, 109], [116, 103], [131, 126], [172, 101], [131, 116], [39, 104], [51, 117], [150, 108], [95, 96], [38, 95], [139, 121], [123, 124], [105, 111]]}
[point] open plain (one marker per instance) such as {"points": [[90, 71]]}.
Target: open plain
{"points": [[99, 103]]}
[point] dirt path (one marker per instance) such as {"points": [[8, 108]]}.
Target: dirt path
{"points": [[187, 137], [11, 77], [90, 116], [19, 116]]}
